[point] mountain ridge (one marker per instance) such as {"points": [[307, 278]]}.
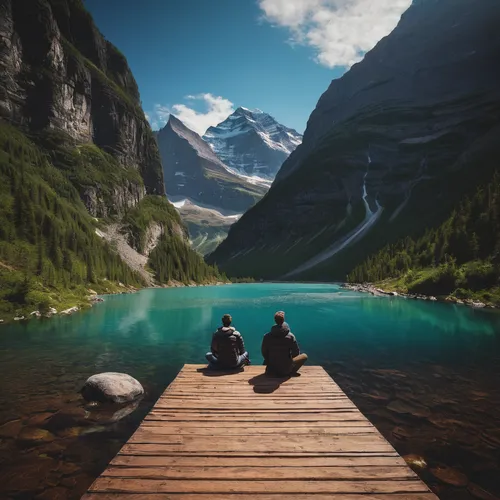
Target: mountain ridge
{"points": [[203, 187], [194, 171], [252, 142]]}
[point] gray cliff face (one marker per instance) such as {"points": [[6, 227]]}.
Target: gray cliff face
{"points": [[193, 171], [389, 150], [114, 204], [58, 72], [252, 142]]}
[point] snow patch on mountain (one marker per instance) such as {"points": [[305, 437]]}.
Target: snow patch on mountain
{"points": [[252, 143]]}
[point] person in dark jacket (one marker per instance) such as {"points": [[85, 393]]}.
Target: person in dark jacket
{"points": [[227, 349], [280, 350]]}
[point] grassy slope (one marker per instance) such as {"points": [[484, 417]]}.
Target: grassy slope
{"points": [[151, 209], [49, 251]]}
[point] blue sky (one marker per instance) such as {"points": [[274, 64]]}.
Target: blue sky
{"points": [[201, 59]]}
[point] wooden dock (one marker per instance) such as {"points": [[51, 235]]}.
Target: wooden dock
{"points": [[245, 436]]}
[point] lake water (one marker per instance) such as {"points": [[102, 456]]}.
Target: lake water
{"points": [[426, 374]]}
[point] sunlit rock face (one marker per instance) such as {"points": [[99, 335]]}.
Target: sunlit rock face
{"points": [[252, 142], [390, 149], [193, 171]]}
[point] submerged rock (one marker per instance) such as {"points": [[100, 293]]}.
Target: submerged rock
{"points": [[32, 434], [400, 433], [39, 419], [10, 429], [449, 475], [67, 417], [71, 432], [108, 414], [112, 387], [415, 461]]}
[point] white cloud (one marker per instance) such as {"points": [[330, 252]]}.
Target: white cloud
{"points": [[340, 31], [217, 109]]}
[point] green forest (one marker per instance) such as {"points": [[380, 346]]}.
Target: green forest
{"points": [[461, 257], [50, 254]]}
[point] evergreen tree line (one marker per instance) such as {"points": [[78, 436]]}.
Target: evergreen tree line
{"points": [[45, 232], [463, 252], [173, 259]]}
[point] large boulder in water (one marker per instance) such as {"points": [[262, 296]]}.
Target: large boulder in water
{"points": [[112, 387]]}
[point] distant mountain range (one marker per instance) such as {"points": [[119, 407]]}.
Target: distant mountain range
{"points": [[252, 142], [209, 194], [192, 170]]}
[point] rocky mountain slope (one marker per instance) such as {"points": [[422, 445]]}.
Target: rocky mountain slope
{"points": [[192, 170], [212, 197], [252, 142], [74, 147], [389, 150]]}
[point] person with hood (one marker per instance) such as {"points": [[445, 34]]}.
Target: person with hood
{"points": [[280, 350], [227, 349]]}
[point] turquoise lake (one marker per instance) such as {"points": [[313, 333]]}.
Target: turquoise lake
{"points": [[426, 374]]}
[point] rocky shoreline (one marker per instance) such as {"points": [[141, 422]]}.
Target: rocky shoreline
{"points": [[377, 291]]}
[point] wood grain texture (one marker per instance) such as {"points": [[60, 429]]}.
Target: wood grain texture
{"points": [[245, 436]]}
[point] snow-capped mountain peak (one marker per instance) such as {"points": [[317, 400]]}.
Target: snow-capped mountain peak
{"points": [[252, 142]]}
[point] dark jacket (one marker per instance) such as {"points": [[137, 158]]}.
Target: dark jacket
{"points": [[279, 347], [227, 346]]}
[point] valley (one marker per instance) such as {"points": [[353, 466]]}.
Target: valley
{"points": [[223, 173], [392, 149]]}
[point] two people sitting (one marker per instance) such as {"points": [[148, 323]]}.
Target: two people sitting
{"points": [[280, 349]]}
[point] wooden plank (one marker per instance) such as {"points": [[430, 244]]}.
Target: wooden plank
{"points": [[273, 427], [152, 450], [262, 473], [256, 462], [245, 436], [262, 416], [249, 393], [263, 432], [236, 408], [260, 442], [137, 485], [254, 496], [311, 444]]}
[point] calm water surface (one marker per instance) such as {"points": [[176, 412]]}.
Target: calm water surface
{"points": [[426, 374]]}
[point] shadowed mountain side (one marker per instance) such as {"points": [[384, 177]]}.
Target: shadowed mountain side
{"points": [[389, 150]]}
